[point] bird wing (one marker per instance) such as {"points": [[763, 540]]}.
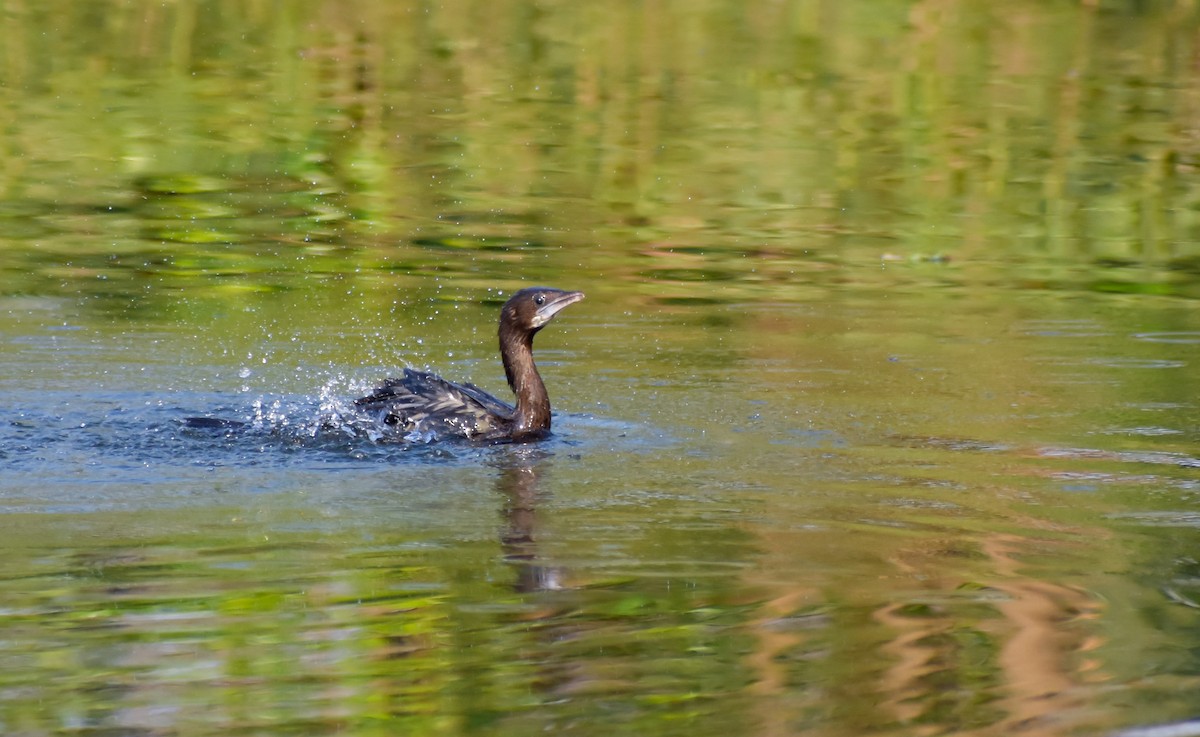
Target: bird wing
{"points": [[419, 394]]}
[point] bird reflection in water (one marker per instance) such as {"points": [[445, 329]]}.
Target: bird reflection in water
{"points": [[520, 470]]}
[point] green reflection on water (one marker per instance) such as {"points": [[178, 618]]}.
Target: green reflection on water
{"points": [[1004, 143], [319, 631]]}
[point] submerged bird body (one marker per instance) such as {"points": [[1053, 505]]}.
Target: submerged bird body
{"points": [[424, 405]]}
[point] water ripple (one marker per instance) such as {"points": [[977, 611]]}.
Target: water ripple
{"points": [[1190, 337]]}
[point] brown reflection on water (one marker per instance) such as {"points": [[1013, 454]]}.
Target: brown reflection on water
{"points": [[1042, 660], [981, 645], [1040, 668], [779, 633]]}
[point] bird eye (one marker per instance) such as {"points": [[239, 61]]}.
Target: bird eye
{"points": [[539, 299]]}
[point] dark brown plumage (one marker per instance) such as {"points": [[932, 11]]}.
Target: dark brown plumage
{"points": [[425, 406]]}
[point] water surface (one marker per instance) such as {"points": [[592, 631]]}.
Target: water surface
{"points": [[879, 417]]}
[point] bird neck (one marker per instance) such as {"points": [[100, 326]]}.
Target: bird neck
{"points": [[532, 417]]}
